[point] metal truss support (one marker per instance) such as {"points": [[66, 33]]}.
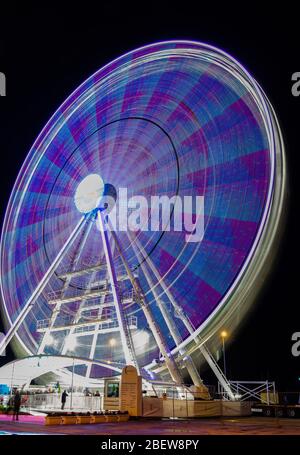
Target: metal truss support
{"points": [[158, 336], [203, 349], [187, 360], [75, 325], [95, 338], [246, 390], [56, 309], [41, 286], [124, 330], [97, 330]]}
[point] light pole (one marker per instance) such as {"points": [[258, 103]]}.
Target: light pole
{"points": [[72, 384], [224, 335], [12, 379]]}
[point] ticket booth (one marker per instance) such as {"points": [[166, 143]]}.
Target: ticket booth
{"points": [[111, 400], [124, 393]]}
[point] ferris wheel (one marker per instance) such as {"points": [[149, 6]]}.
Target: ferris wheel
{"points": [[173, 119]]}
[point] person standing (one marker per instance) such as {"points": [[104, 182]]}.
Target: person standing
{"points": [[63, 399], [16, 405]]}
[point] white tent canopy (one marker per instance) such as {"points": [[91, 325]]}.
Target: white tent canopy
{"points": [[20, 373]]}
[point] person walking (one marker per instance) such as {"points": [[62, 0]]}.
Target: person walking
{"points": [[64, 399], [16, 405]]}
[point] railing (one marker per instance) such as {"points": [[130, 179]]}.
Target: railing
{"points": [[88, 328], [61, 295], [54, 295], [108, 325], [132, 322], [60, 321], [43, 324], [264, 391], [81, 326], [52, 401], [128, 296], [92, 314]]}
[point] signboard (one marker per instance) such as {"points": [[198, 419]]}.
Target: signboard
{"points": [[131, 391], [4, 389]]}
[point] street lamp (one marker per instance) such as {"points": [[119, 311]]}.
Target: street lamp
{"points": [[72, 384], [224, 335]]}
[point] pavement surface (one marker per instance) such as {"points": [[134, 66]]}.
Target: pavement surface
{"points": [[214, 426]]}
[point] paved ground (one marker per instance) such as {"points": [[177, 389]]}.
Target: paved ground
{"points": [[215, 426]]}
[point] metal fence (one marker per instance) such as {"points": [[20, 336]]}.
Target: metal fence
{"points": [[264, 391], [52, 401]]}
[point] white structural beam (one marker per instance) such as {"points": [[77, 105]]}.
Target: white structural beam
{"points": [[90, 322], [104, 281], [41, 286], [97, 327], [76, 319], [158, 336], [203, 349], [86, 270], [217, 370], [177, 308], [79, 297], [56, 309], [187, 361], [124, 330]]}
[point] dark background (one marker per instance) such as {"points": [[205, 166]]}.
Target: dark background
{"points": [[47, 51]]}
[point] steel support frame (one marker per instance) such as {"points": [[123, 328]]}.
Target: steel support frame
{"points": [[158, 336], [125, 335], [203, 349], [41, 286], [187, 360], [56, 309]]}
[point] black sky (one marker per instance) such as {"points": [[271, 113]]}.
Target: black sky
{"points": [[47, 51]]}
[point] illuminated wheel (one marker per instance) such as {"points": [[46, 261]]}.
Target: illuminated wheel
{"points": [[170, 119]]}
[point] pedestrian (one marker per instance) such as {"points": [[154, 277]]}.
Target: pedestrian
{"points": [[16, 405], [64, 399]]}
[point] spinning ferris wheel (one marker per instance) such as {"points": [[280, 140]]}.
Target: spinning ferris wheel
{"points": [[170, 119]]}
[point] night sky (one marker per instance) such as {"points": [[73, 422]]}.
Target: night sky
{"points": [[46, 52]]}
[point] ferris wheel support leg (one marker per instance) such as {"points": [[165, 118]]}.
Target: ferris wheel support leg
{"points": [[129, 355], [165, 288], [93, 345], [217, 370], [161, 343], [95, 337], [40, 288], [56, 309], [205, 352], [187, 360]]}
